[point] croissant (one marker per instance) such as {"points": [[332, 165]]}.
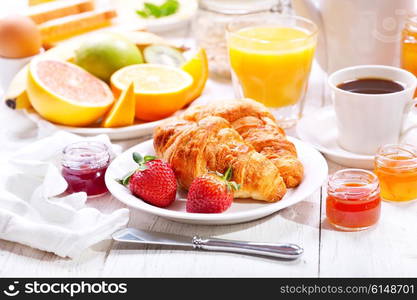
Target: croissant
{"points": [[258, 127], [195, 147]]}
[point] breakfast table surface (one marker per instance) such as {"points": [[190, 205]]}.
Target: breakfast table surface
{"points": [[387, 250]]}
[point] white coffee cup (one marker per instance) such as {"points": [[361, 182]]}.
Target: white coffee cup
{"points": [[367, 121]]}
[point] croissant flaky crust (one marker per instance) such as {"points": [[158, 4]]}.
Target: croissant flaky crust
{"points": [[258, 127], [241, 134]]}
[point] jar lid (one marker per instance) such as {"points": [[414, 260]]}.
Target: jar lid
{"points": [[397, 156], [238, 7], [86, 155], [352, 182]]}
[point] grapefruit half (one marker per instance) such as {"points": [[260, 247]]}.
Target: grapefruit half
{"points": [[66, 94]]}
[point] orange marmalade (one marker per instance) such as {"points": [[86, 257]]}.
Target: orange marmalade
{"points": [[396, 168], [353, 202]]}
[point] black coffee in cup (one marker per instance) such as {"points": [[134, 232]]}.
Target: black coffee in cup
{"points": [[371, 86]]}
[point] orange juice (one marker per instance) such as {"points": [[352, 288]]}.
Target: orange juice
{"points": [[272, 63], [409, 46]]}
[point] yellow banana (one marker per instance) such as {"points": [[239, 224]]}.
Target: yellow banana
{"points": [[15, 96]]}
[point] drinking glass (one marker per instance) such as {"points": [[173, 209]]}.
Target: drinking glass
{"points": [[271, 57]]}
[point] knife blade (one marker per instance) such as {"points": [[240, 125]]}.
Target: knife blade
{"points": [[132, 235]]}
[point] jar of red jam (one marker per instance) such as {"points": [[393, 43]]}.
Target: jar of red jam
{"points": [[353, 201], [84, 165]]}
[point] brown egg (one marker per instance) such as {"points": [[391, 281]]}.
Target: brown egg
{"points": [[19, 37]]}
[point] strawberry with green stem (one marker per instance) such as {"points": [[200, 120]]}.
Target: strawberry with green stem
{"points": [[211, 193], [153, 181]]}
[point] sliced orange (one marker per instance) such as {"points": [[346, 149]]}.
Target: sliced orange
{"points": [[64, 93], [160, 90], [122, 112], [197, 67]]}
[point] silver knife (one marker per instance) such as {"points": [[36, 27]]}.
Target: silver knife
{"points": [[131, 235]]}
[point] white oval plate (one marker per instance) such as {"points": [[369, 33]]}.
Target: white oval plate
{"points": [[120, 133], [242, 210]]}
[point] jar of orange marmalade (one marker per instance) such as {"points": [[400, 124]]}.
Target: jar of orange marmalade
{"points": [[353, 202], [409, 45], [396, 168]]}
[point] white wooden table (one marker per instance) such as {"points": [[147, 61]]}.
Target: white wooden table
{"points": [[390, 249]]}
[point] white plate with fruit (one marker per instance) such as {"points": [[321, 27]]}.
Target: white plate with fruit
{"points": [[241, 210], [84, 86]]}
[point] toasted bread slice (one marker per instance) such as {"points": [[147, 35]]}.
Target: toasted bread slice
{"points": [[36, 2], [66, 27], [48, 11]]}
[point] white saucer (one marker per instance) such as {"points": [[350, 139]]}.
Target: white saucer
{"points": [[319, 129]]}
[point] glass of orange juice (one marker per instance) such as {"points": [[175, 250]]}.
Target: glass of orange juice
{"points": [[271, 57]]}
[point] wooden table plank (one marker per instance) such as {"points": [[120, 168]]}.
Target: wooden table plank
{"points": [[297, 224]]}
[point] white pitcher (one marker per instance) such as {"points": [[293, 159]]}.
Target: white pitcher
{"points": [[355, 32]]}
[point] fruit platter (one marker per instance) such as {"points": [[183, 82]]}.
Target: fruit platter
{"points": [[105, 104]]}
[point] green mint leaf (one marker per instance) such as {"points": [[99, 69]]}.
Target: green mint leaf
{"points": [[153, 9], [137, 157], [142, 13], [170, 7]]}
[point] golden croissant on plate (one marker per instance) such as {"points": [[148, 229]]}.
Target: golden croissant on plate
{"points": [[237, 133]]}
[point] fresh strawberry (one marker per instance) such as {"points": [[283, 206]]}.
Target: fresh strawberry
{"points": [[211, 193], [154, 181]]}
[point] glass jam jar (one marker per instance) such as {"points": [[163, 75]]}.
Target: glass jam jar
{"points": [[396, 168], [409, 45], [84, 165], [353, 202], [210, 23]]}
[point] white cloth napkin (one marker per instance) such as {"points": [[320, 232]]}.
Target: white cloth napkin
{"points": [[33, 213]]}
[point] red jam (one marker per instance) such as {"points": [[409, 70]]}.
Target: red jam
{"points": [[353, 201], [84, 165]]}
